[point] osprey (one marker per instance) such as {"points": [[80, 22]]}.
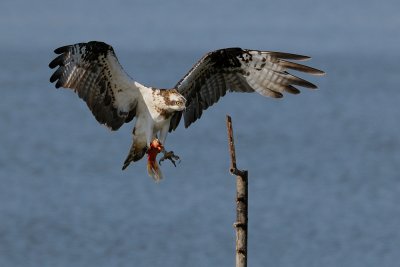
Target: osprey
{"points": [[92, 70]]}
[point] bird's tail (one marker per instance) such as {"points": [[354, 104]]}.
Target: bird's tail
{"points": [[136, 152]]}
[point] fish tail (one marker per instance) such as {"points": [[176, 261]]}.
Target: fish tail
{"points": [[154, 170]]}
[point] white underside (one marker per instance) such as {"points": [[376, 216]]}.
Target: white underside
{"points": [[149, 123]]}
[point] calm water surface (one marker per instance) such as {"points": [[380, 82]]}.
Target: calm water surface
{"points": [[323, 166]]}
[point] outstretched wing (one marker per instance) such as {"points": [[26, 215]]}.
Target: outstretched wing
{"points": [[238, 70], [92, 70]]}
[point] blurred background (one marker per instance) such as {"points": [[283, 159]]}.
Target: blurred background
{"points": [[323, 165]]}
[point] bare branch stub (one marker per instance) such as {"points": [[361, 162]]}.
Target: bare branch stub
{"points": [[233, 169]]}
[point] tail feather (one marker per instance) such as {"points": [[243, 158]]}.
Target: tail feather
{"points": [[135, 153]]}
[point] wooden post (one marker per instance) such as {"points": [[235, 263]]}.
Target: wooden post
{"points": [[241, 201]]}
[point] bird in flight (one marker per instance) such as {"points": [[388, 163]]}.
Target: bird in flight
{"points": [[92, 70]]}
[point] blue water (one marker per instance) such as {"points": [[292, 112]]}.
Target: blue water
{"points": [[323, 165]]}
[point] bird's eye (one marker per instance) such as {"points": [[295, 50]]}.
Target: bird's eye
{"points": [[178, 102]]}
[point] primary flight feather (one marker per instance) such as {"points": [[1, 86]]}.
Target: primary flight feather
{"points": [[92, 70]]}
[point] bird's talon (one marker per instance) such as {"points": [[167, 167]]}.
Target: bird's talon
{"points": [[170, 156]]}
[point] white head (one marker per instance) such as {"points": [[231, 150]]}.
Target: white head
{"points": [[174, 100]]}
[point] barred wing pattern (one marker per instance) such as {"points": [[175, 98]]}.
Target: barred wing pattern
{"points": [[92, 70], [238, 70]]}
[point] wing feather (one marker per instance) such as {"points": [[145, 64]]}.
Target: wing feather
{"points": [[238, 70], [92, 70], [300, 67]]}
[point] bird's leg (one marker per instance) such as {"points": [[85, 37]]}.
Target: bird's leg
{"points": [[167, 154], [170, 156]]}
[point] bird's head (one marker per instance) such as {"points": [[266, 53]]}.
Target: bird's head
{"points": [[175, 100]]}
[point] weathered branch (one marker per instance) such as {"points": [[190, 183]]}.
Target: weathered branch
{"points": [[241, 201]]}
